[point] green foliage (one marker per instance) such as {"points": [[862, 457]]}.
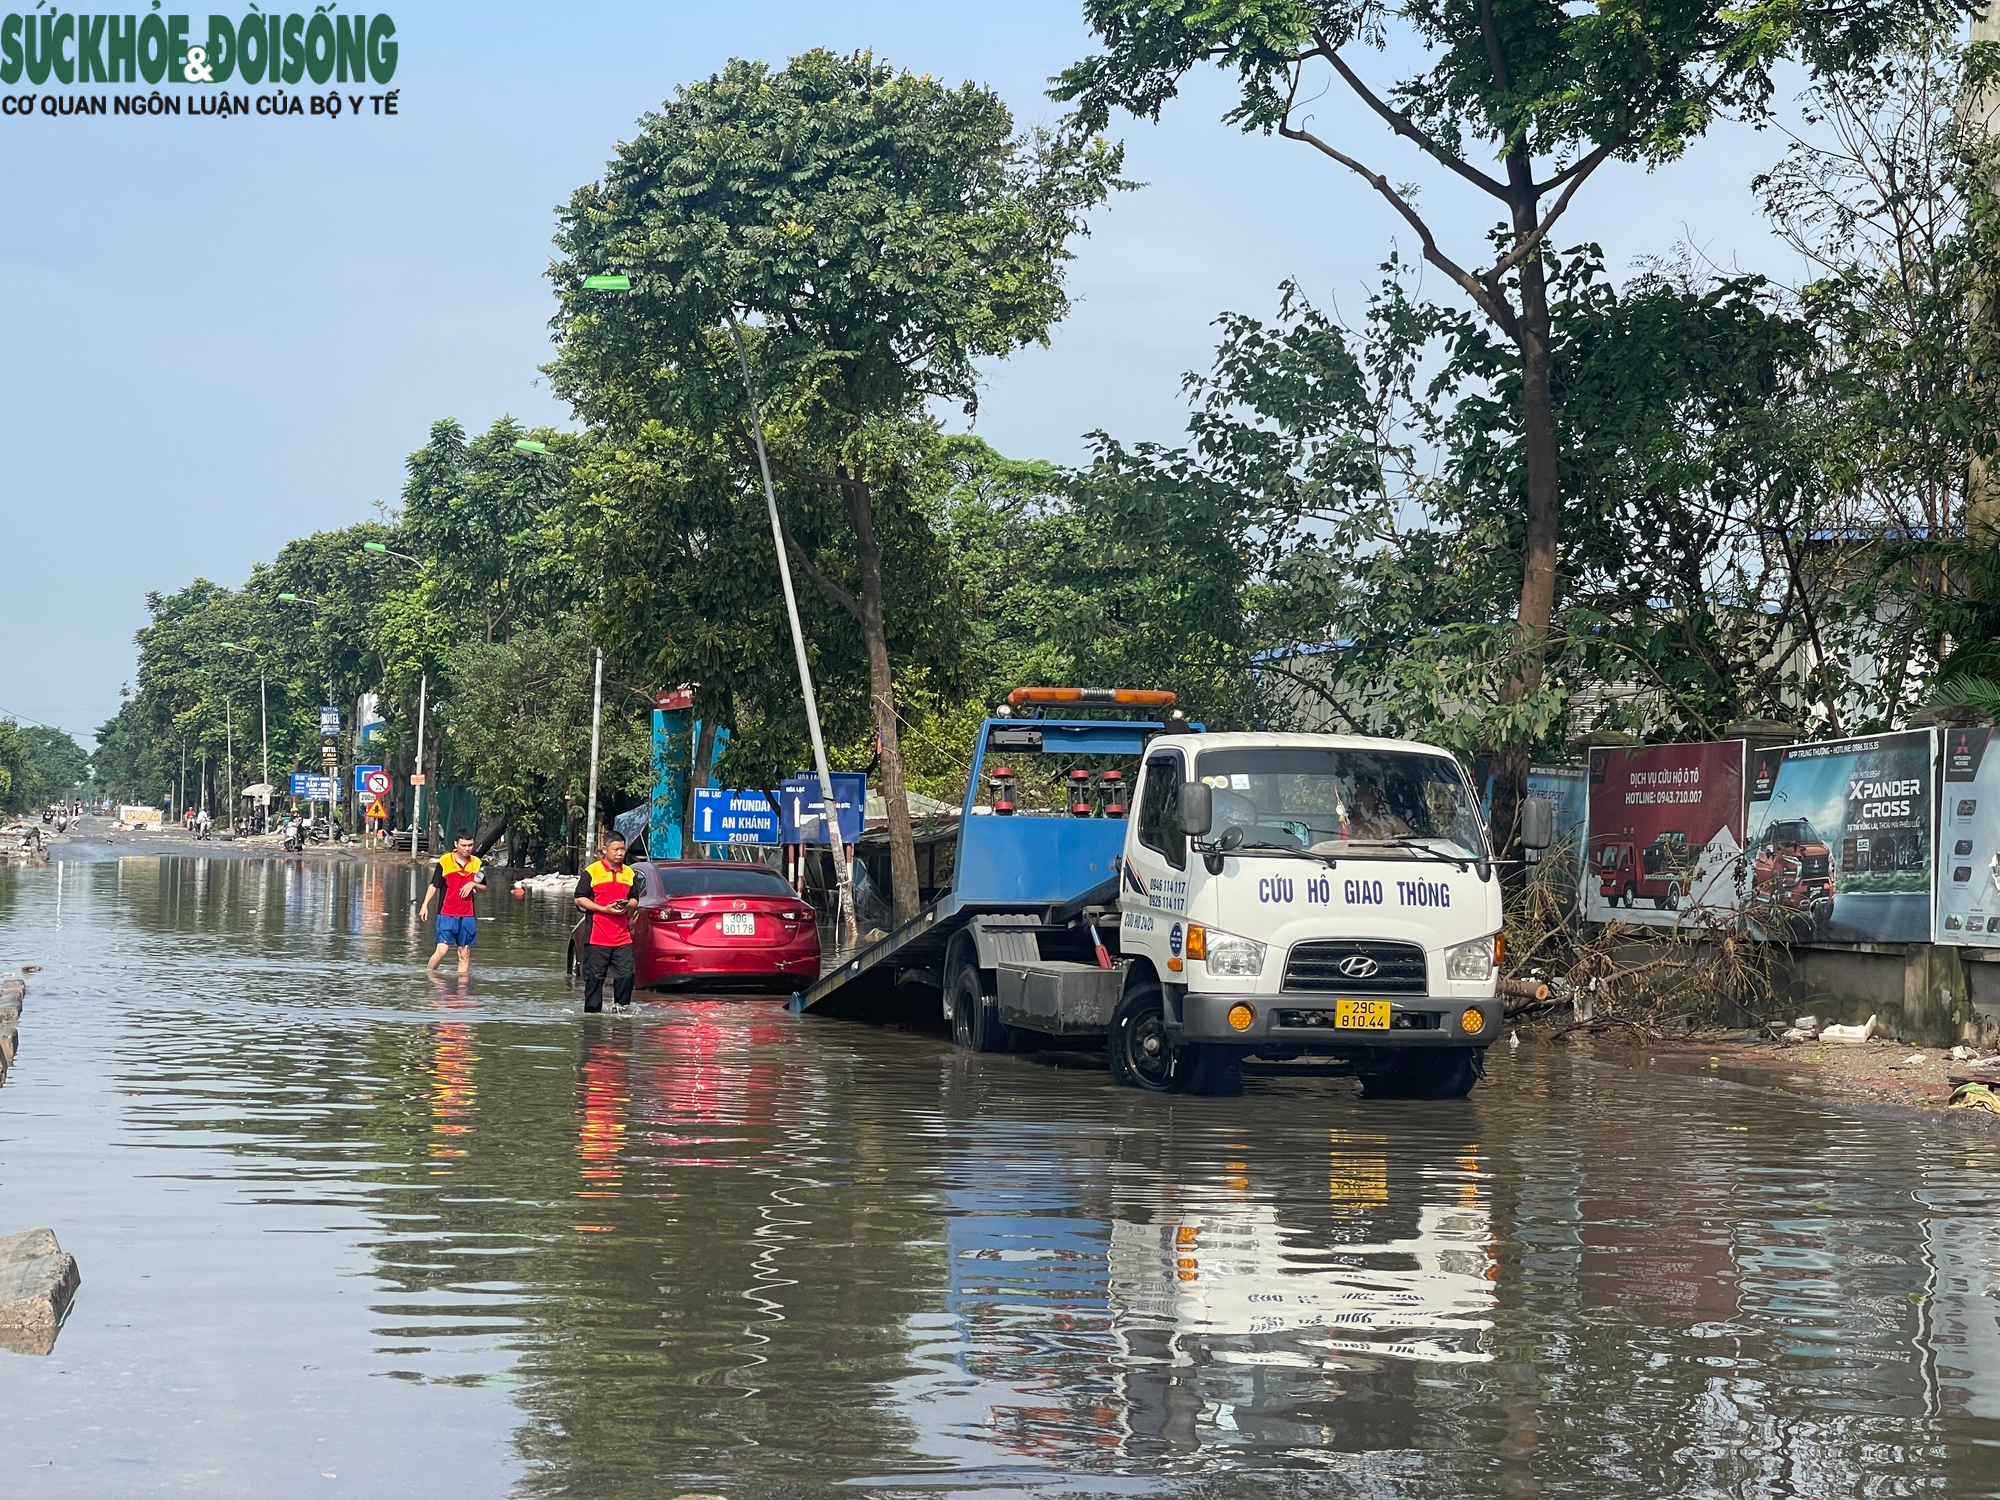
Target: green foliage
{"points": [[1644, 79], [41, 765], [885, 231], [516, 725]]}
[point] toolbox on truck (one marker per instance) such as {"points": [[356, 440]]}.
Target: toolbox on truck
{"points": [[1061, 999]]}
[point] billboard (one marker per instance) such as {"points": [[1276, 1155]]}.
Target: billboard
{"points": [[1665, 831], [1968, 847], [1840, 838]]}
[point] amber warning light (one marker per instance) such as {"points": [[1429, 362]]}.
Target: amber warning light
{"points": [[1136, 697]]}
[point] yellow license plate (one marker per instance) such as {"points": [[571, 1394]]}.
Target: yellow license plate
{"points": [[1361, 1015]]}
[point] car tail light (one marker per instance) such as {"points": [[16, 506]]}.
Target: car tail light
{"points": [[675, 914]]}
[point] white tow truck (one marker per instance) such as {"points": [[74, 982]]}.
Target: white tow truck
{"points": [[1324, 902]]}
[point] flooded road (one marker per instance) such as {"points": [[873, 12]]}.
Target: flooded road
{"points": [[344, 1227]]}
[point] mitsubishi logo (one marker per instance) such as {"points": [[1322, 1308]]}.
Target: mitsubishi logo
{"points": [[1359, 966]]}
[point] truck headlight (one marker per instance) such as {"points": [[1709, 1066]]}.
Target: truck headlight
{"points": [[1227, 956], [1473, 960]]}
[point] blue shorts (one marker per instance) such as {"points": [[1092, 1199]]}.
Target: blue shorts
{"points": [[459, 932]]}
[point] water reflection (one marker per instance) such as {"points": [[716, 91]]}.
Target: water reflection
{"points": [[709, 1246]]}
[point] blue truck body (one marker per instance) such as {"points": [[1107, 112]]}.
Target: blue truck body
{"points": [[1030, 863]]}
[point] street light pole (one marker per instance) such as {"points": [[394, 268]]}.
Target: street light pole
{"points": [[596, 715], [418, 781], [830, 815], [264, 724], [418, 786]]}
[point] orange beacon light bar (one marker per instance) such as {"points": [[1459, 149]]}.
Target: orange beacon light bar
{"points": [[1134, 697]]}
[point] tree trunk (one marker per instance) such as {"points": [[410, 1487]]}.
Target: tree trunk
{"points": [[1543, 506], [882, 703]]}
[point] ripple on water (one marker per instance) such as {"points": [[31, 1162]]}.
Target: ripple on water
{"points": [[336, 1217]]}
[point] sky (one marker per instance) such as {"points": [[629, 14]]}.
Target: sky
{"points": [[220, 335]]}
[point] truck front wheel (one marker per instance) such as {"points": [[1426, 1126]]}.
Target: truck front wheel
{"points": [[1434, 1073], [975, 1015], [1141, 1054]]}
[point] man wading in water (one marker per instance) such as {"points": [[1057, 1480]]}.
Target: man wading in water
{"points": [[609, 890], [455, 881]]}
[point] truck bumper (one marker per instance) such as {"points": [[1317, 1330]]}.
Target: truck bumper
{"points": [[1304, 1022]]}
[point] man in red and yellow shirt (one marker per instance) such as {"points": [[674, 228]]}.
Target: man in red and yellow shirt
{"points": [[455, 880], [609, 890]]}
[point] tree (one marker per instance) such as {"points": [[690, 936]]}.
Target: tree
{"points": [[516, 718], [1546, 93], [880, 233]]}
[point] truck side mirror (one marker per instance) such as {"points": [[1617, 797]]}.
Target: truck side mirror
{"points": [[1538, 823], [1197, 808]]}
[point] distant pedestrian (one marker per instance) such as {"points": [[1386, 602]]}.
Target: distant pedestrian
{"points": [[455, 880], [609, 891]]}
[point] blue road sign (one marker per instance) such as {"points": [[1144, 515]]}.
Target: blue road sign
{"points": [[805, 811], [312, 788], [729, 817], [361, 774]]}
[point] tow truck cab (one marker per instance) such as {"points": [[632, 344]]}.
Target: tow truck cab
{"points": [[1298, 896]]}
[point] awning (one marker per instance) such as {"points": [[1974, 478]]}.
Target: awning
{"points": [[258, 791]]}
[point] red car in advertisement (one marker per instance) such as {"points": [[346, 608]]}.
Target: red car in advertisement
{"points": [[1792, 868], [715, 924]]}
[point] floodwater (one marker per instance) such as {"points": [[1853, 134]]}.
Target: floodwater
{"points": [[343, 1228]]}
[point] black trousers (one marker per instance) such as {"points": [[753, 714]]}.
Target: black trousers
{"points": [[598, 957]]}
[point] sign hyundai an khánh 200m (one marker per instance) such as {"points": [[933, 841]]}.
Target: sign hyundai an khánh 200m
{"points": [[1840, 839]]}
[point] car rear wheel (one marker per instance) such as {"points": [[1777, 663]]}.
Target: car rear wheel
{"points": [[975, 1014], [1434, 1073]]}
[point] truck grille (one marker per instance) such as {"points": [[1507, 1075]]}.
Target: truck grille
{"points": [[1814, 866], [1399, 968]]}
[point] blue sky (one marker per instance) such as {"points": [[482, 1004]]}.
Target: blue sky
{"points": [[221, 335]]}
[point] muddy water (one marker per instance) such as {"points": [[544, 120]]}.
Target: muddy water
{"points": [[342, 1227]]}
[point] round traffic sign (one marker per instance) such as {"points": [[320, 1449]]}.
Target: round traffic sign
{"points": [[378, 783]]}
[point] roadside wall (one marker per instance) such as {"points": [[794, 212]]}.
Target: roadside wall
{"points": [[1926, 994]]}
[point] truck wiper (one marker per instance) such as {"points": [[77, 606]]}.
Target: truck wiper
{"points": [[1281, 851], [1416, 845]]}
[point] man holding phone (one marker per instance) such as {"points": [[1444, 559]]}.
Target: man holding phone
{"points": [[609, 891]]}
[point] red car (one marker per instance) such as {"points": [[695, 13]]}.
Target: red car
{"points": [[706, 923]]}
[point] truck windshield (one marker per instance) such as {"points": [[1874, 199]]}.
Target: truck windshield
{"points": [[1332, 800]]}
